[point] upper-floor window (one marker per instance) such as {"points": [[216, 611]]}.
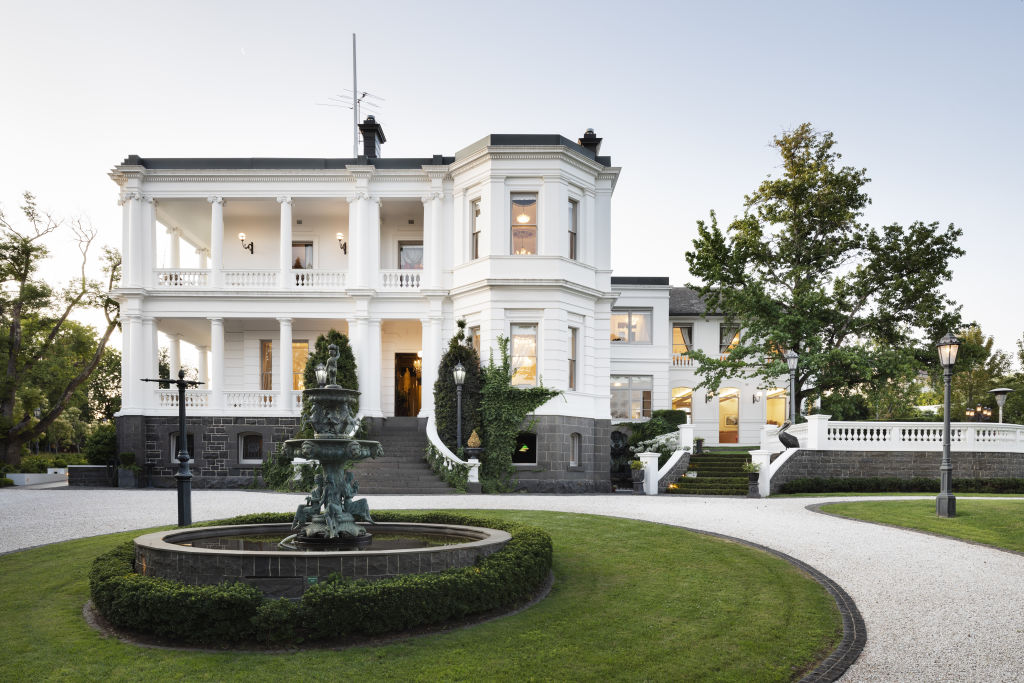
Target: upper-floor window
{"points": [[574, 213], [728, 338], [682, 343], [524, 355], [475, 212], [631, 327], [302, 255], [266, 364], [300, 353], [573, 335], [524, 223], [410, 255]]}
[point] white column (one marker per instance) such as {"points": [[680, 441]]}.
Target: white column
{"points": [[371, 242], [287, 281], [124, 201], [431, 344], [355, 241], [357, 337], [174, 354], [284, 367], [130, 347], [433, 206], [203, 255], [130, 249], [371, 405], [204, 366], [175, 234], [217, 361], [216, 240], [148, 242], [149, 361]]}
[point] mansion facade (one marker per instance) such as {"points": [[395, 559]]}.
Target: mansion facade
{"points": [[511, 234]]}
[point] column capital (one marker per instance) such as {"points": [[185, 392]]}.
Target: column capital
{"points": [[215, 200], [285, 320], [202, 251], [173, 231], [148, 319], [282, 199], [132, 317], [216, 320], [149, 199], [431, 196], [128, 196]]}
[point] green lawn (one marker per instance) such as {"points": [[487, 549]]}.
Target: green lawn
{"points": [[631, 601], [998, 523], [891, 494]]}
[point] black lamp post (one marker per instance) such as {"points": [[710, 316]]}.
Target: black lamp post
{"points": [[459, 373], [792, 359], [184, 475], [945, 504]]}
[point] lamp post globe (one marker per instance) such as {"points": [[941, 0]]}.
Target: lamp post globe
{"points": [[459, 374], [1000, 395], [945, 503]]}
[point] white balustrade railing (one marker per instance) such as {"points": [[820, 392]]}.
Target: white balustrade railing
{"points": [[250, 279], [181, 278], [821, 434], [682, 360], [450, 459], [194, 398], [297, 400], [402, 280], [319, 279], [251, 400]]}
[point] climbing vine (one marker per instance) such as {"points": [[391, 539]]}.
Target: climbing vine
{"points": [[503, 408]]}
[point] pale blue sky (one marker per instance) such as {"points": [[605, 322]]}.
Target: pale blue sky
{"points": [[928, 96]]}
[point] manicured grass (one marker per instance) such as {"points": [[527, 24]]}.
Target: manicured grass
{"points": [[998, 523], [631, 601], [893, 494]]}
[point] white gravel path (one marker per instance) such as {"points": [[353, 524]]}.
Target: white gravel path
{"points": [[936, 609]]}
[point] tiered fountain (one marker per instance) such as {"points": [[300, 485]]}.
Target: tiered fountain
{"points": [[331, 532]]}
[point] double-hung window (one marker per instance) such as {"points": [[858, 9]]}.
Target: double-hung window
{"points": [[524, 223], [573, 337], [631, 326], [574, 213], [524, 355], [728, 339], [475, 213]]}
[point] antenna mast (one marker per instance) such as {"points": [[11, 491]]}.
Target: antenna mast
{"points": [[355, 103]]}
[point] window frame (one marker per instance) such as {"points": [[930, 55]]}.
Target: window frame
{"points": [[725, 347], [172, 443], [242, 460], [575, 448], [474, 229], [646, 407], [513, 224], [536, 352], [264, 376], [298, 376], [682, 359], [310, 244], [474, 338], [573, 351], [409, 243], [629, 325], [574, 221]]}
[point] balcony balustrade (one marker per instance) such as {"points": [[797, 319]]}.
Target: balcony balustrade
{"points": [[250, 279], [682, 360], [182, 278], [319, 279], [401, 280]]}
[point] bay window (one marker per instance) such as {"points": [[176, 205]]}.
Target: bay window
{"points": [[524, 355], [524, 223]]}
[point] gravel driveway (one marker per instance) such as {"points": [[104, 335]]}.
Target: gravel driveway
{"points": [[935, 609]]}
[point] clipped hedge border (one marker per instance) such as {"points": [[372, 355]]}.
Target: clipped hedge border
{"points": [[896, 485], [331, 610]]}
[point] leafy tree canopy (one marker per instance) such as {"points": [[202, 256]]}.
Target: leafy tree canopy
{"points": [[799, 270], [43, 353]]}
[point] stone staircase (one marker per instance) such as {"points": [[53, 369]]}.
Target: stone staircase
{"points": [[718, 474], [402, 468]]}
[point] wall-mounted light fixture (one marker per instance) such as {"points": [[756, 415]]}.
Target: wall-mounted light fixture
{"points": [[247, 247], [342, 243], [756, 397]]}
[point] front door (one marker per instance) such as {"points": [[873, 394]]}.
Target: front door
{"points": [[407, 385]]}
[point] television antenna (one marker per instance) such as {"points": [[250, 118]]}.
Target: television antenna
{"points": [[356, 100]]}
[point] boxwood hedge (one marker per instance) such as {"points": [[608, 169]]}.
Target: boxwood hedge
{"points": [[894, 484], [234, 612]]}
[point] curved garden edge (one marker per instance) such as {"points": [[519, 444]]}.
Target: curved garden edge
{"points": [[818, 508]]}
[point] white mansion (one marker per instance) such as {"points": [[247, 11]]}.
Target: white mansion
{"points": [[512, 234]]}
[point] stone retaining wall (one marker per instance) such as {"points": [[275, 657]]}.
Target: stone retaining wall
{"points": [[552, 473], [88, 475], [901, 464]]}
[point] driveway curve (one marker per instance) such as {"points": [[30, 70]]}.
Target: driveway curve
{"points": [[935, 609]]}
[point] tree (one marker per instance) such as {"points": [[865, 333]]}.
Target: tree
{"points": [[104, 388], [978, 368], [799, 270], [35, 323], [460, 350], [503, 408], [347, 376]]}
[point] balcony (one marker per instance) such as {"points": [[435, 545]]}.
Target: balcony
{"points": [[253, 400], [682, 360]]}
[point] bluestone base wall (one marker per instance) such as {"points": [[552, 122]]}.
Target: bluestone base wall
{"points": [[552, 473], [903, 465]]}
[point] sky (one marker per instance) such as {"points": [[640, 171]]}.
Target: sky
{"points": [[928, 96]]}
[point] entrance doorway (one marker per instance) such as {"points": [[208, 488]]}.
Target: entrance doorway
{"points": [[407, 384]]}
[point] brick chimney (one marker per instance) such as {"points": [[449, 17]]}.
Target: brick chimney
{"points": [[591, 142], [373, 136]]}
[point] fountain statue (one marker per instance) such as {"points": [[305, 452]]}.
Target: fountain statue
{"points": [[328, 517]]}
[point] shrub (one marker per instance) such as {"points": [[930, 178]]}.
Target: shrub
{"points": [[33, 464], [460, 350], [456, 476], [101, 446], [897, 485], [233, 612], [4, 481], [127, 461]]}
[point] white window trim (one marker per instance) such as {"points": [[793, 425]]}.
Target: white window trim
{"points": [[650, 312], [315, 239], [241, 451], [536, 324], [173, 446]]}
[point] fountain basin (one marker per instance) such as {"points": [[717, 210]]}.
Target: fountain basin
{"points": [[288, 573]]}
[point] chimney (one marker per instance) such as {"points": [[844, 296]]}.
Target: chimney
{"points": [[373, 136], [591, 142]]}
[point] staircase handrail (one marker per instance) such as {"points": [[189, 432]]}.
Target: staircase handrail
{"points": [[450, 459]]}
